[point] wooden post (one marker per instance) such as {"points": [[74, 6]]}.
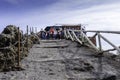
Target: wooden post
{"points": [[21, 40], [32, 30], [27, 38], [36, 29], [100, 66], [18, 47], [76, 37], [82, 37], [99, 42]]}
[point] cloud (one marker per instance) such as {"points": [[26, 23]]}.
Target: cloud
{"points": [[97, 17], [13, 1], [94, 15], [79, 4]]}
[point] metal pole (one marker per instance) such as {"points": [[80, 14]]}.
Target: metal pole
{"points": [[18, 47]]}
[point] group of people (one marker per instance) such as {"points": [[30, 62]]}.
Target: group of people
{"points": [[52, 34]]}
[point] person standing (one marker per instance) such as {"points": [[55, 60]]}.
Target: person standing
{"points": [[55, 34], [47, 35], [51, 32]]}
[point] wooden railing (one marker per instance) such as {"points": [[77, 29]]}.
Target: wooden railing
{"points": [[81, 37]]}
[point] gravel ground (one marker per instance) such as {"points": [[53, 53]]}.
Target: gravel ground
{"points": [[73, 62]]}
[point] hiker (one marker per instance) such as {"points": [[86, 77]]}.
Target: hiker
{"points": [[55, 34], [47, 35], [58, 34], [62, 34], [42, 34], [51, 32]]}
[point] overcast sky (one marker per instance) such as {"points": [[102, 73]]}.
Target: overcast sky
{"points": [[94, 14]]}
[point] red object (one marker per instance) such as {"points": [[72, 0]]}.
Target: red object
{"points": [[51, 30]]}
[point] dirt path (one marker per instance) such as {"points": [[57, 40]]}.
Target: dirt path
{"points": [[60, 60]]}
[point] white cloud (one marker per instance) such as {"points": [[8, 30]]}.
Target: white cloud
{"points": [[103, 17], [13, 1], [97, 17]]}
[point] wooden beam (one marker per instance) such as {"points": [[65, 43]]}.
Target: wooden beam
{"points": [[110, 49], [90, 42], [65, 33], [97, 31], [76, 37], [70, 35], [100, 44]]}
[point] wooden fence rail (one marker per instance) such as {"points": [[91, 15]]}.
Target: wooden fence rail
{"points": [[83, 39]]}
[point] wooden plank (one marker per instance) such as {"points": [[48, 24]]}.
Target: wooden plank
{"points": [[53, 60], [90, 42], [65, 34], [49, 41], [76, 37], [115, 32], [70, 35], [53, 46]]}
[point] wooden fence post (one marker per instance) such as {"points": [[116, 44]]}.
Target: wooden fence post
{"points": [[18, 65], [99, 42], [36, 29], [27, 38], [30, 30]]}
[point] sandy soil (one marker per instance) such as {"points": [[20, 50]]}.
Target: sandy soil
{"points": [[71, 62]]}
